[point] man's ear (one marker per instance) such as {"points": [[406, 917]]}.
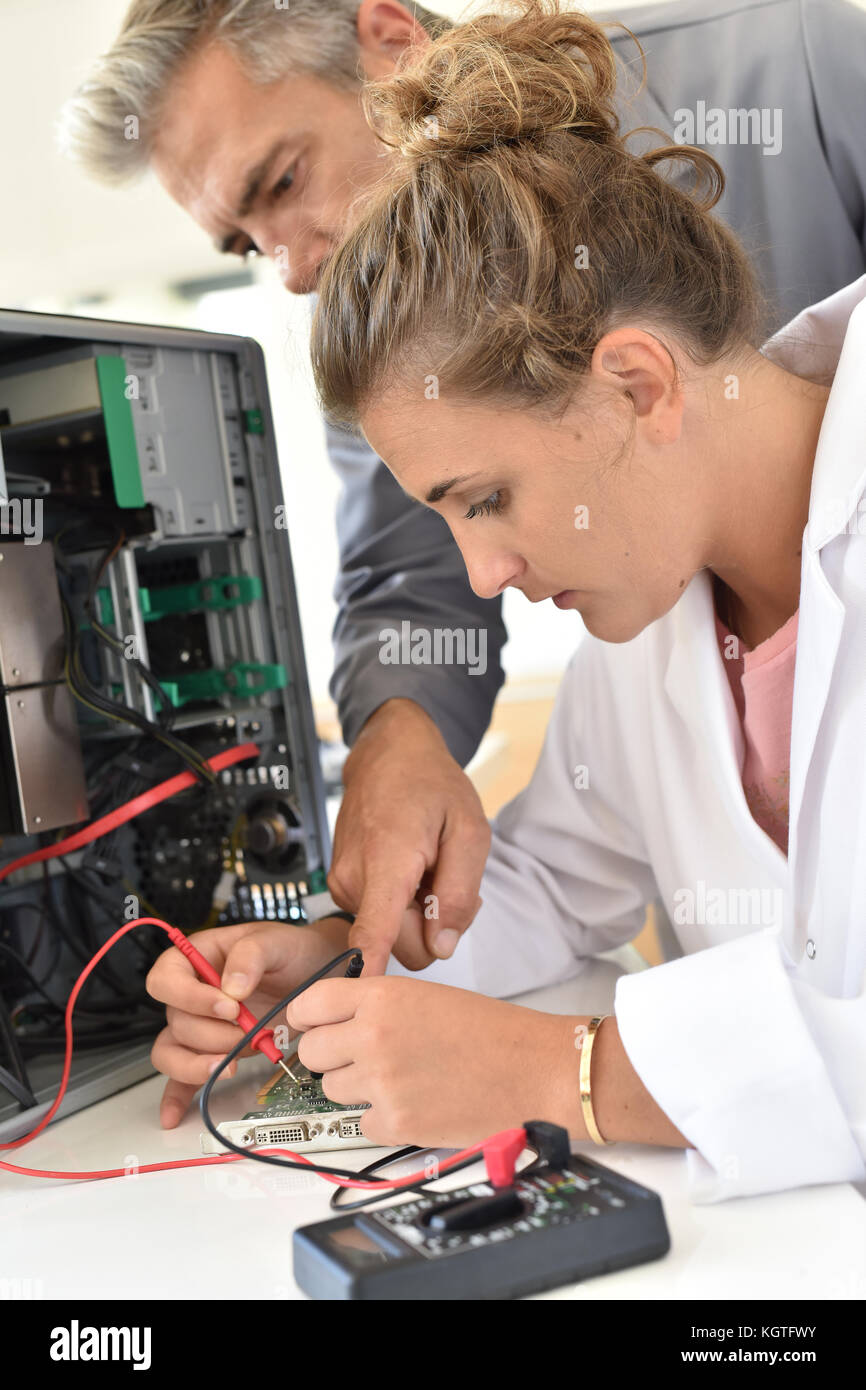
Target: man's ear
{"points": [[385, 30]]}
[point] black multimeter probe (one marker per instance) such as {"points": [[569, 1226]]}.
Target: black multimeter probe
{"points": [[353, 971]]}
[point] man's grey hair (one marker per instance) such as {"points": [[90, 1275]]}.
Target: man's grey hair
{"points": [[109, 125]]}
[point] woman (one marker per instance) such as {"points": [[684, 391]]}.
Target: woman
{"points": [[558, 351]]}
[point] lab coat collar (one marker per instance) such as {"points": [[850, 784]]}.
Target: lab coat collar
{"points": [[697, 686], [825, 342]]}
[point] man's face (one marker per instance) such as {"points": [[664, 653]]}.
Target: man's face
{"points": [[268, 169]]}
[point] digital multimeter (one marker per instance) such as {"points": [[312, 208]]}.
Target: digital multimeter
{"points": [[551, 1226]]}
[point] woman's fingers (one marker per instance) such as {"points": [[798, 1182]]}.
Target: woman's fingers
{"points": [[186, 1067], [172, 980], [327, 1001], [242, 955], [264, 951], [343, 1086], [325, 1048], [176, 1100], [202, 1034]]}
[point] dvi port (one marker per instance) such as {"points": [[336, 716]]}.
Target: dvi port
{"points": [[282, 1132], [351, 1128]]}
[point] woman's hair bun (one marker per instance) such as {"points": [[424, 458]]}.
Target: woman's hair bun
{"points": [[500, 78]]}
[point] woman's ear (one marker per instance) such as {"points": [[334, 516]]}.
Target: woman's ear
{"points": [[641, 367], [385, 30]]}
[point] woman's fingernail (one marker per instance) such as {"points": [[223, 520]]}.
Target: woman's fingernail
{"points": [[445, 943], [236, 984], [213, 1066], [226, 1008]]}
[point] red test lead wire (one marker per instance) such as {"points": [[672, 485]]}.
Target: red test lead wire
{"points": [[161, 792], [263, 1040], [368, 1185]]}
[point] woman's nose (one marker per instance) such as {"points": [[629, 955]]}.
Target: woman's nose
{"points": [[489, 575]]}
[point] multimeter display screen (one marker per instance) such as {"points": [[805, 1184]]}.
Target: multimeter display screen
{"points": [[354, 1247]]}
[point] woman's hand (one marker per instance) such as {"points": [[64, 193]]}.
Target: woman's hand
{"points": [[440, 1066], [259, 963]]}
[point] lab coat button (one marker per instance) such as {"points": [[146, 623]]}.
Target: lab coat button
{"points": [[810, 949]]}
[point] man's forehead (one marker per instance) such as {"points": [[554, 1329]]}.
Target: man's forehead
{"points": [[221, 136], [211, 164], [202, 173]]}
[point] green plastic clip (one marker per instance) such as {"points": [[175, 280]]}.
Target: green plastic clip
{"points": [[217, 594], [239, 680]]}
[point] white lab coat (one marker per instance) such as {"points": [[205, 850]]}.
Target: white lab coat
{"points": [[754, 1041]]}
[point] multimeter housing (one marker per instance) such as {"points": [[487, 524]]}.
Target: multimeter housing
{"points": [[571, 1223]]}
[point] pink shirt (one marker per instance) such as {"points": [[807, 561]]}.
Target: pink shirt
{"points": [[762, 683]]}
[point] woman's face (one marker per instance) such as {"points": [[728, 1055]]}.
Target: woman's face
{"points": [[596, 511]]}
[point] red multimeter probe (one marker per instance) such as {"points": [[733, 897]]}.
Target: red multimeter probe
{"points": [[264, 1039]]}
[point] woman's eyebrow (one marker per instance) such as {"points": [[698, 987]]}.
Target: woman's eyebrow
{"points": [[438, 491]]}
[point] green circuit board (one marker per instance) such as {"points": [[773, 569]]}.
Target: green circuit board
{"points": [[282, 1098]]}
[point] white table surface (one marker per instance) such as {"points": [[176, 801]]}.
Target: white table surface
{"points": [[226, 1232]]}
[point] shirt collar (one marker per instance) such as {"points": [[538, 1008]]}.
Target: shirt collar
{"points": [[827, 343]]}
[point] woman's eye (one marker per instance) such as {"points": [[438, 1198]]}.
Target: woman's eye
{"points": [[285, 183], [489, 507]]}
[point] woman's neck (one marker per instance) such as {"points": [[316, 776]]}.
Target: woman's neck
{"points": [[761, 500]]}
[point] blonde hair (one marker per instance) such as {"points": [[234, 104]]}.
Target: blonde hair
{"points": [[129, 84], [465, 261]]}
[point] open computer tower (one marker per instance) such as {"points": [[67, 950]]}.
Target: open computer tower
{"points": [[148, 624]]}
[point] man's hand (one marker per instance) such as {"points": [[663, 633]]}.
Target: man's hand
{"points": [[410, 842], [259, 963]]}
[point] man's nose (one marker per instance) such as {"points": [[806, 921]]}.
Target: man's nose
{"points": [[298, 257], [298, 277]]}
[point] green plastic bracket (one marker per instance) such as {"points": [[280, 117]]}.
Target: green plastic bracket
{"points": [[215, 595], [105, 606], [119, 431], [317, 881], [240, 679], [169, 688], [254, 422]]}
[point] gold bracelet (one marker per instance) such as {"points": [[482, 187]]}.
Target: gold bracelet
{"points": [[585, 1087]]}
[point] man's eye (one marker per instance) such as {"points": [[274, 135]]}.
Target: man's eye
{"points": [[489, 507]]}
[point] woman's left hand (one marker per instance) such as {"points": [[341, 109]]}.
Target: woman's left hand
{"points": [[440, 1066]]}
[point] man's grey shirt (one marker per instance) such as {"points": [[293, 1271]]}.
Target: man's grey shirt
{"points": [[799, 209]]}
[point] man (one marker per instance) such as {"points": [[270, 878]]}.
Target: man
{"points": [[248, 111]]}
